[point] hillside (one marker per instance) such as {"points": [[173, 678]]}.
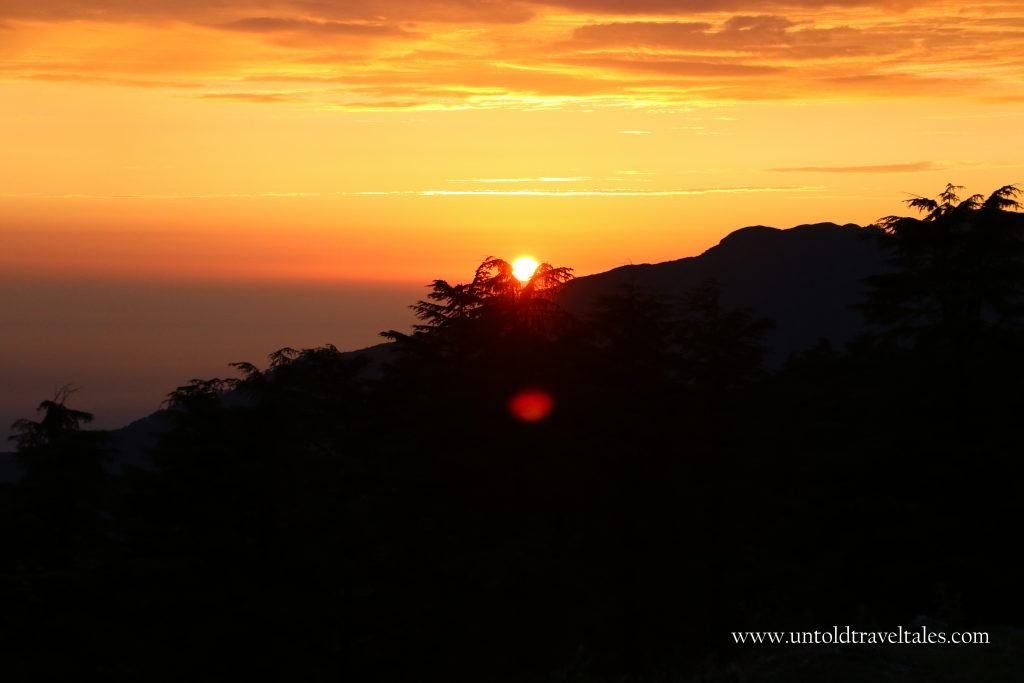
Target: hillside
{"points": [[805, 278]]}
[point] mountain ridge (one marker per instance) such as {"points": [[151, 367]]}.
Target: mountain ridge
{"points": [[806, 279]]}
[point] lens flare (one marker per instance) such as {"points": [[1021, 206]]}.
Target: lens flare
{"points": [[531, 405]]}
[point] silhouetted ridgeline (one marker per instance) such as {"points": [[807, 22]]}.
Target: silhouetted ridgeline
{"points": [[510, 492], [806, 279]]}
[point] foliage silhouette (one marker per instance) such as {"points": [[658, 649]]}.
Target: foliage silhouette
{"points": [[495, 299], [58, 518], [958, 271], [55, 451], [58, 421], [381, 516]]}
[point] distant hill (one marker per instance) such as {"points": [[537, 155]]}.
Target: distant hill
{"points": [[132, 442], [805, 278]]}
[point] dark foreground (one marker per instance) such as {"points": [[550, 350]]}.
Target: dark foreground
{"points": [[328, 516]]}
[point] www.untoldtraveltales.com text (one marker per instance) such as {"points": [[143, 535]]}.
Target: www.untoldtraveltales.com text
{"points": [[849, 636]]}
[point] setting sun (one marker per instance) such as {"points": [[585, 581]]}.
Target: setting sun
{"points": [[523, 268]]}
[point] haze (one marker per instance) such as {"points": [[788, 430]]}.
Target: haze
{"points": [[306, 166]]}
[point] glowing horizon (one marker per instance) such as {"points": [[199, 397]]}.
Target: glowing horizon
{"points": [[399, 141]]}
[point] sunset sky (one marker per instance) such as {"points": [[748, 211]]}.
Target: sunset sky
{"points": [[400, 140], [186, 183]]}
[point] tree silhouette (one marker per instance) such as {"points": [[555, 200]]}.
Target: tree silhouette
{"points": [[380, 514], [958, 270], [493, 316], [58, 421], [55, 446], [495, 298], [65, 479]]}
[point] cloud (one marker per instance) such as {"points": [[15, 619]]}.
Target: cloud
{"points": [[734, 32], [94, 79], [185, 196], [589, 193], [902, 84], [433, 11], [1004, 99], [916, 167], [257, 97], [459, 54], [766, 36], [325, 28], [676, 67], [422, 193], [110, 10], [212, 11], [683, 7], [542, 179]]}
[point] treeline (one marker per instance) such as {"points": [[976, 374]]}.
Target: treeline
{"points": [[329, 516]]}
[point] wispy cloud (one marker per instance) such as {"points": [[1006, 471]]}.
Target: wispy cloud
{"points": [[684, 7], [590, 193], [542, 179], [259, 97], [170, 196], [434, 55], [327, 28], [916, 167], [615, 192]]}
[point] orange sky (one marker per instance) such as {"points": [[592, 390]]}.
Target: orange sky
{"points": [[405, 140]]}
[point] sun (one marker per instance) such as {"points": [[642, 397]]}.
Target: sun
{"points": [[523, 268]]}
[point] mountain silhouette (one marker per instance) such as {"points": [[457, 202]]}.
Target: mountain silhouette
{"points": [[805, 278], [403, 509]]}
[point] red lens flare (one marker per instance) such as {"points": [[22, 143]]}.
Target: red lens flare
{"points": [[531, 405]]}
